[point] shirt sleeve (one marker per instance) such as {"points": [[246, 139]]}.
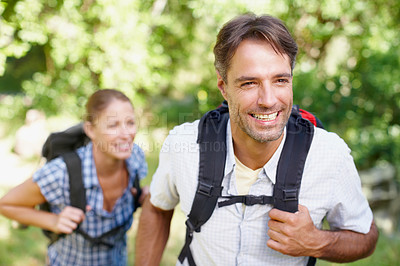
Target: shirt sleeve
{"points": [[51, 181], [163, 190], [351, 210]]}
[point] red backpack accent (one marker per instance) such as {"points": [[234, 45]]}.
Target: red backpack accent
{"points": [[309, 116]]}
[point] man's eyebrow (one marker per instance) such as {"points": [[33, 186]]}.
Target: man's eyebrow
{"points": [[245, 78], [283, 75]]}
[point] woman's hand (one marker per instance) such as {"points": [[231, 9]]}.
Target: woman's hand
{"points": [[69, 219]]}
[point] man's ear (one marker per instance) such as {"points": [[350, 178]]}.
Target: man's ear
{"points": [[221, 85]]}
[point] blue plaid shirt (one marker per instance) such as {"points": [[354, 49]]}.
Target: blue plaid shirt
{"points": [[73, 249]]}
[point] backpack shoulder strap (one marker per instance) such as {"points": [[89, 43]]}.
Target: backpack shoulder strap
{"points": [[212, 144], [77, 195], [299, 134], [136, 184], [77, 191]]}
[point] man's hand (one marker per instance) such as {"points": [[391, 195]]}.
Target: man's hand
{"points": [[69, 219], [293, 234]]}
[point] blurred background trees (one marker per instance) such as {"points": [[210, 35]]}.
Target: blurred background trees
{"points": [[54, 53]]}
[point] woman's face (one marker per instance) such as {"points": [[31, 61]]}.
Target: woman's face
{"points": [[114, 130]]}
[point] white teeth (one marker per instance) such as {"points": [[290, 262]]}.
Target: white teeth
{"points": [[123, 146], [266, 117]]}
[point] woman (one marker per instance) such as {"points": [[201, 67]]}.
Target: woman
{"points": [[110, 162]]}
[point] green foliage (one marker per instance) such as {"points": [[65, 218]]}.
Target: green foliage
{"points": [[53, 54]]}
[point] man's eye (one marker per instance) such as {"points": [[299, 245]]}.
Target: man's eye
{"points": [[282, 81], [248, 84]]}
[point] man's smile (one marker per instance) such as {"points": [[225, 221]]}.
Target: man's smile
{"points": [[265, 117]]}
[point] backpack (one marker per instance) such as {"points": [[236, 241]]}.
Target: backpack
{"points": [[212, 143], [64, 144]]}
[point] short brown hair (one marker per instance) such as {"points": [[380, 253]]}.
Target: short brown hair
{"points": [[250, 26], [99, 101]]}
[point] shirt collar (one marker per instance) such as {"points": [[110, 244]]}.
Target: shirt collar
{"points": [[269, 168]]}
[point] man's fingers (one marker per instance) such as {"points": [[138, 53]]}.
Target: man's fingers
{"points": [[280, 216], [275, 235], [275, 245], [303, 208], [275, 225]]}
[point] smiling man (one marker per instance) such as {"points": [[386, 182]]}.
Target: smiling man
{"points": [[254, 60], [258, 89]]}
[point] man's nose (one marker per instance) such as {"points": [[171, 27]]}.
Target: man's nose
{"points": [[266, 95]]}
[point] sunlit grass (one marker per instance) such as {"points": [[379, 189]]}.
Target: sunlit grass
{"points": [[21, 246]]}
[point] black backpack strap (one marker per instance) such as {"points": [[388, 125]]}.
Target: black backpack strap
{"points": [[299, 134], [136, 184], [311, 261], [78, 197], [100, 240], [248, 200], [76, 187], [212, 143]]}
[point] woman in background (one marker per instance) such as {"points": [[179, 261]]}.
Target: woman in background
{"points": [[110, 162]]}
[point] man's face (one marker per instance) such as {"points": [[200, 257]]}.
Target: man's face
{"points": [[258, 91]]}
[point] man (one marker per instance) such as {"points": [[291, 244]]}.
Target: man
{"points": [[254, 60]]}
